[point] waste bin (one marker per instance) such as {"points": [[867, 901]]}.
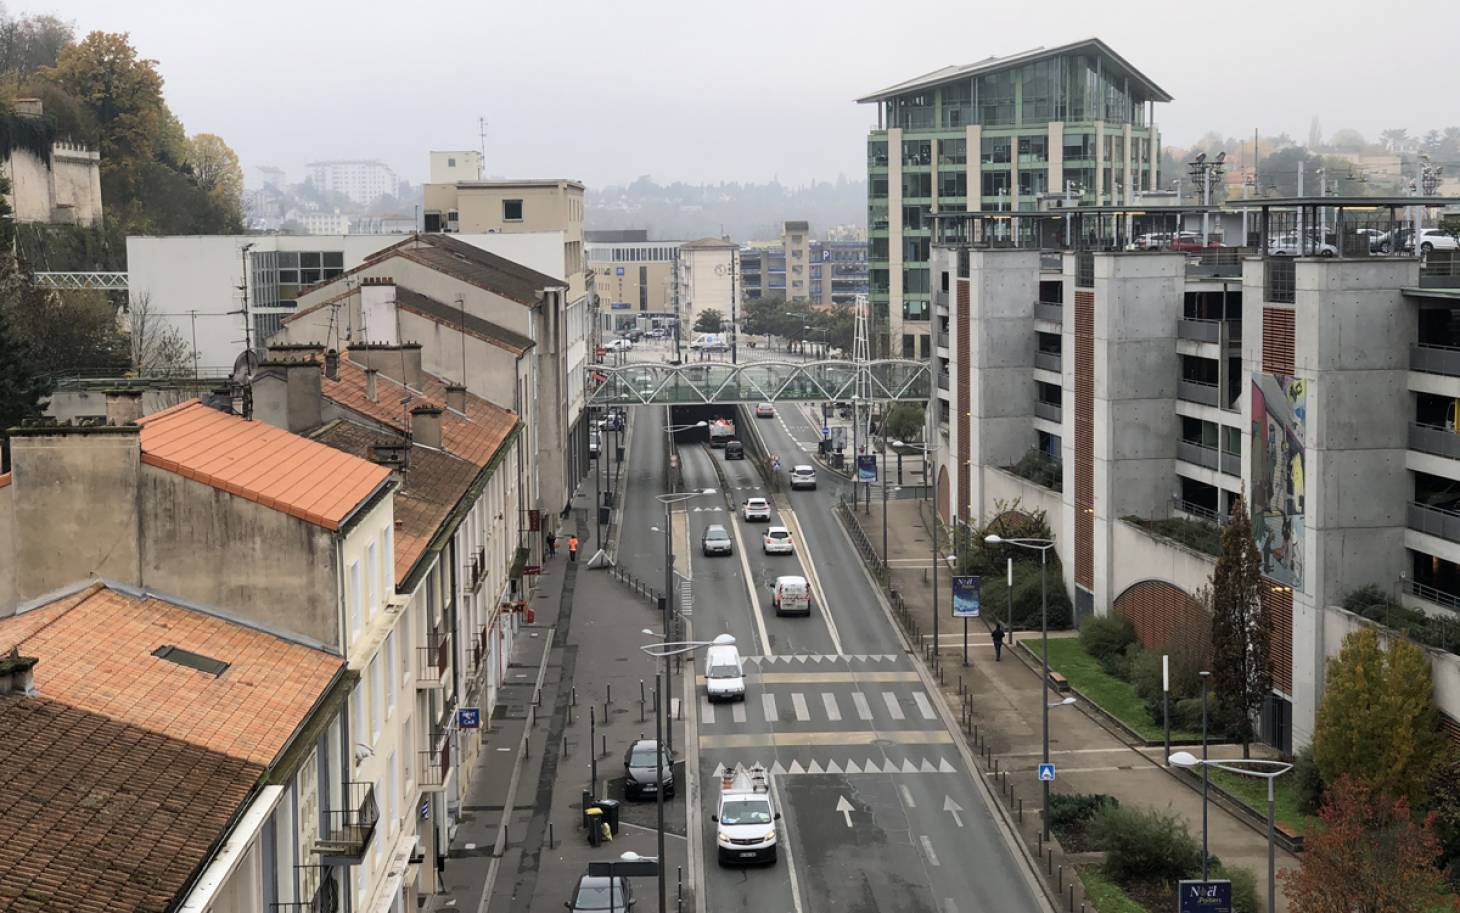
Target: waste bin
{"points": [[610, 810], [594, 816], [603, 516], [837, 460]]}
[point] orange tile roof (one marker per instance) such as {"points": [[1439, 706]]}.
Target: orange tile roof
{"points": [[257, 461], [4, 479], [95, 653], [475, 436]]}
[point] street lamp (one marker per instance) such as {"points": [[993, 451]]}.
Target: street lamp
{"points": [[928, 453], [1042, 546], [669, 500], [1248, 767], [665, 649]]}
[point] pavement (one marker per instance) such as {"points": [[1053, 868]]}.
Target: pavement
{"points": [[1006, 698]]}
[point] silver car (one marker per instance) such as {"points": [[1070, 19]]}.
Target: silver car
{"points": [[803, 476], [717, 541]]}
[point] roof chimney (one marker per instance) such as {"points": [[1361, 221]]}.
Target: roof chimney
{"points": [[17, 673], [396, 456], [456, 398], [286, 394], [426, 426], [332, 364], [371, 393], [123, 407], [377, 309]]}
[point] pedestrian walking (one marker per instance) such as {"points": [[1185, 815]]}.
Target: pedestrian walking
{"points": [[572, 548], [998, 641], [552, 544]]}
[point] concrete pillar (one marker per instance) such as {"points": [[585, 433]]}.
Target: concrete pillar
{"points": [[973, 143], [1100, 187], [1056, 142]]}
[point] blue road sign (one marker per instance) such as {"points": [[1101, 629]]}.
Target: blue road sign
{"points": [[1046, 773], [825, 431], [469, 717], [1205, 896]]}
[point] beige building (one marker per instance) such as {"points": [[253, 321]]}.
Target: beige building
{"points": [[63, 188], [707, 280], [634, 279], [452, 166]]}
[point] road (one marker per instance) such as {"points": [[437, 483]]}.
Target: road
{"points": [[880, 810]]}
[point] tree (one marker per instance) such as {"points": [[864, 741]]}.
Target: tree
{"points": [[709, 320], [1377, 721], [904, 422], [156, 347], [1279, 172], [1347, 140], [1241, 679], [29, 43], [1370, 856], [1396, 139], [123, 91], [215, 167], [60, 330], [23, 389]]}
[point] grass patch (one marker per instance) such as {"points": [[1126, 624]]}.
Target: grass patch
{"points": [[1253, 792], [1116, 697], [1106, 895]]}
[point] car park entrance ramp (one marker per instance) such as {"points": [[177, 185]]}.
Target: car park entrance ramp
{"points": [[892, 379]]}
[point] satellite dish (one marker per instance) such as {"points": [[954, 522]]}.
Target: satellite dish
{"points": [[245, 365]]}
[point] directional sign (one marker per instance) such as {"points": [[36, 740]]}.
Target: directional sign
{"points": [[845, 807], [1205, 896], [1046, 773], [954, 809]]}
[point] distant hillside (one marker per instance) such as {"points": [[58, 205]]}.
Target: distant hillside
{"points": [[745, 212]]}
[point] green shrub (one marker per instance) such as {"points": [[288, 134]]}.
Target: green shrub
{"points": [[1144, 844], [1186, 714], [1145, 675], [1077, 808], [1307, 782], [1105, 637], [1119, 665], [1244, 886]]}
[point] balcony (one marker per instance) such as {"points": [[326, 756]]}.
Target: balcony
{"points": [[1050, 412], [1199, 455], [1434, 521], [1199, 330], [1438, 597], [318, 891], [1441, 269], [1198, 391], [1232, 463], [1434, 439], [1048, 361], [1435, 359], [942, 380], [432, 660], [348, 829], [1225, 263], [435, 763], [1049, 310], [1041, 469]]}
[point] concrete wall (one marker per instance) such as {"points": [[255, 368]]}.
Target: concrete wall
{"points": [[76, 184], [68, 405], [1137, 555], [1000, 485], [7, 549], [1444, 667], [705, 279], [30, 187]]}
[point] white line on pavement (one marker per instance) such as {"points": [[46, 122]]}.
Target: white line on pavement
{"points": [[798, 701], [768, 706], [707, 712], [893, 707], [755, 609], [860, 700], [907, 798], [737, 712], [928, 851], [925, 708], [786, 848], [833, 712], [789, 517]]}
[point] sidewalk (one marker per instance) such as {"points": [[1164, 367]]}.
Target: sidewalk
{"points": [[1007, 697]]}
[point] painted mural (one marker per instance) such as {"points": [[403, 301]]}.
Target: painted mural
{"points": [[1279, 422]]}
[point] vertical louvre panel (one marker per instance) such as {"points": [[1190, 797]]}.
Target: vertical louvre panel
{"points": [[1162, 613], [1085, 439], [964, 401], [1278, 601], [1451, 728], [1277, 341]]}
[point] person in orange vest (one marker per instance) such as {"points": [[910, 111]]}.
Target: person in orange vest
{"points": [[572, 548]]}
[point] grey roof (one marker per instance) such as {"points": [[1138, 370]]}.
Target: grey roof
{"points": [[616, 235], [478, 267], [995, 64], [449, 316], [1394, 201], [709, 244]]}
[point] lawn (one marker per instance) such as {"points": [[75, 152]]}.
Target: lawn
{"points": [[1253, 792], [1115, 696], [1106, 895]]}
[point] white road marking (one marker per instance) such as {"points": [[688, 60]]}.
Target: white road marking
{"points": [[893, 707], [785, 846], [789, 518], [928, 851], [954, 809], [860, 700], [907, 798], [707, 712], [925, 708], [846, 809], [949, 906], [833, 712], [755, 609], [798, 701], [737, 712], [768, 705]]}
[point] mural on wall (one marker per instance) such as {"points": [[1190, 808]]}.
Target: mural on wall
{"points": [[1279, 421]]}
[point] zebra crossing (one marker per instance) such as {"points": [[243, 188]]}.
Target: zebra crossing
{"points": [[781, 706], [922, 765]]}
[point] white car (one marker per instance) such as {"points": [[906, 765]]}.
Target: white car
{"points": [[1434, 239], [764, 410], [1288, 245], [619, 345], [756, 509], [803, 476], [777, 541], [724, 673]]}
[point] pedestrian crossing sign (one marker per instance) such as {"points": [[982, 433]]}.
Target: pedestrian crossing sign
{"points": [[1046, 773]]}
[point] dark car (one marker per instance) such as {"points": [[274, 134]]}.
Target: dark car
{"points": [[592, 894], [717, 541], [641, 771], [734, 450]]}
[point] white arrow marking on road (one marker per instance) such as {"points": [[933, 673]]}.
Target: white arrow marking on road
{"points": [[953, 808], [845, 807]]}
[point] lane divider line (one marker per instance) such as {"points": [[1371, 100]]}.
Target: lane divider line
{"points": [[803, 554]]}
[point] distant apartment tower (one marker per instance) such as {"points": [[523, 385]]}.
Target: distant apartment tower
{"points": [[706, 280], [452, 166], [824, 273], [1010, 133], [633, 277], [363, 182], [271, 176]]}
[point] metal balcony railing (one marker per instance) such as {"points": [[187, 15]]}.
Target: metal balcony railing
{"points": [[1438, 597], [1435, 521], [1196, 511], [1199, 454], [432, 659], [1441, 269], [1435, 359], [1048, 361], [349, 827], [319, 891], [1434, 439], [1050, 412], [435, 766], [942, 380], [1198, 391], [1199, 330], [1049, 310], [1231, 463]]}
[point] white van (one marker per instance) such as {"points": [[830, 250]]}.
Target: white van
{"points": [[792, 596], [724, 674]]}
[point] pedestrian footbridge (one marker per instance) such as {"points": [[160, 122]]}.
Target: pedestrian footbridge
{"points": [[642, 384]]}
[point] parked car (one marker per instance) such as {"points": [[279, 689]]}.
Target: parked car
{"points": [[803, 476], [1288, 245], [1435, 239], [1155, 240], [777, 541], [641, 770], [717, 541], [593, 444], [734, 450], [756, 509], [618, 345], [764, 410], [599, 894], [657, 333]]}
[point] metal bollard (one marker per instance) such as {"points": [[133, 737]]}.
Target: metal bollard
{"points": [[565, 747], [605, 747], [1021, 811], [552, 837], [1049, 860], [575, 698], [608, 694], [1071, 905], [1060, 876], [527, 748]]}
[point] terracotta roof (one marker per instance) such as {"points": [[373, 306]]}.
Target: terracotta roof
{"points": [[253, 460], [4, 479], [474, 436], [430, 488], [95, 653], [452, 318]]}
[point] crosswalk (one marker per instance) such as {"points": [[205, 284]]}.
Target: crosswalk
{"points": [[777, 706]]}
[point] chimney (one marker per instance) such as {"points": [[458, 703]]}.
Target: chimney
{"points": [[426, 426], [17, 673], [456, 398], [123, 407], [286, 394], [332, 364], [394, 456], [370, 390], [397, 361], [377, 310]]}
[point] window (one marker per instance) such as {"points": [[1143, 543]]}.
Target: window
{"points": [[357, 612], [357, 714], [451, 163], [512, 210], [995, 150], [377, 706], [387, 584], [392, 674], [372, 579]]}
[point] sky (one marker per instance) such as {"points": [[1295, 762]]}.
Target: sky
{"points": [[609, 90]]}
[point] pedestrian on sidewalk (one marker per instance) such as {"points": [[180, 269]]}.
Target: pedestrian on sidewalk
{"points": [[552, 544], [573, 548], [998, 641]]}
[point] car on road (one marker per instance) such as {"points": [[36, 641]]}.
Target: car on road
{"points": [[764, 410], [724, 674], [600, 894], [756, 509], [745, 818], [791, 595], [777, 541], [803, 476], [593, 444], [657, 333], [641, 770], [734, 450], [618, 345], [717, 541], [1434, 239]]}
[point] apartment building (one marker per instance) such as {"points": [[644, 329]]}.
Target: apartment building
{"points": [[1120, 392], [707, 280], [1073, 123], [459, 165], [822, 272], [634, 278], [363, 182]]}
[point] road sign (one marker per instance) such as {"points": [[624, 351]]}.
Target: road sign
{"points": [[1046, 773], [966, 596], [469, 717], [1205, 896], [825, 431]]}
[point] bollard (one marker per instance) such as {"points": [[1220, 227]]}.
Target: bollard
{"points": [[552, 838], [1060, 875], [527, 748], [565, 747], [608, 694], [1071, 905], [641, 691], [1039, 843], [575, 697], [537, 698], [1021, 811], [1049, 860], [605, 747]]}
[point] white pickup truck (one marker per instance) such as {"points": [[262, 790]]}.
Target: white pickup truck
{"points": [[745, 822]]}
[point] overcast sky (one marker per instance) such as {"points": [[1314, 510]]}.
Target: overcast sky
{"points": [[608, 90]]}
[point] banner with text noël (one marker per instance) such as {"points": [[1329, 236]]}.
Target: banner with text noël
{"points": [[867, 467], [966, 596], [1205, 896]]}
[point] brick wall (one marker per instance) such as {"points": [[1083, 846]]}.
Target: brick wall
{"points": [[1162, 613]]}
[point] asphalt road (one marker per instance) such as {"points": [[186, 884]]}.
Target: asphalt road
{"points": [[880, 811]]}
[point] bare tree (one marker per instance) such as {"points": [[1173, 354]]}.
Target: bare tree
{"points": [[158, 348]]}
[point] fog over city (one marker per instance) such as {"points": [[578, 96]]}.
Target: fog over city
{"points": [[606, 92]]}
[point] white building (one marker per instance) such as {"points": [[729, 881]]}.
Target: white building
{"points": [[319, 223], [450, 167], [64, 188], [707, 276], [364, 182]]}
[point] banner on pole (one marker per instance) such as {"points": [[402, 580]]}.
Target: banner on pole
{"points": [[1205, 896], [966, 596], [867, 467]]}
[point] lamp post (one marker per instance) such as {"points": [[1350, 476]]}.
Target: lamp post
{"points": [[669, 500], [1248, 767], [825, 336], [664, 650], [1042, 546]]}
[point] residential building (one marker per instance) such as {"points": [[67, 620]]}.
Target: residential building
{"points": [[318, 222], [451, 167], [707, 280], [271, 176], [166, 755], [1127, 395], [1007, 134], [401, 223], [634, 279], [363, 182], [823, 273], [53, 182]]}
